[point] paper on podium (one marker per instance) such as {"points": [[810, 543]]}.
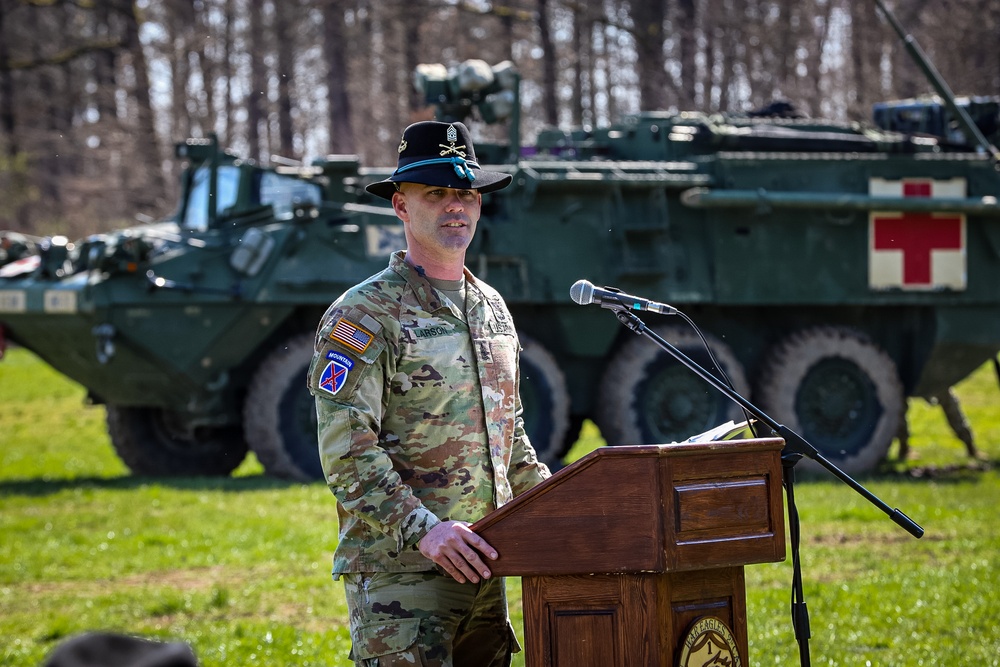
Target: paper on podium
{"points": [[729, 431]]}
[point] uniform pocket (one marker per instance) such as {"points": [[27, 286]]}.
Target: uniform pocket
{"points": [[392, 642]]}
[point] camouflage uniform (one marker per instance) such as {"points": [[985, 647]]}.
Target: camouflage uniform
{"points": [[419, 417], [429, 620]]}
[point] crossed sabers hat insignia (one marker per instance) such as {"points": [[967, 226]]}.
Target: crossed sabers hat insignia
{"points": [[452, 150]]}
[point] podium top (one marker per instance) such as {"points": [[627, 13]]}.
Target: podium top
{"points": [[647, 508]]}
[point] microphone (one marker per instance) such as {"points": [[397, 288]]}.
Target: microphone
{"points": [[584, 293]]}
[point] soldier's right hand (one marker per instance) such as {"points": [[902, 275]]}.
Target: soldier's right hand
{"points": [[453, 546]]}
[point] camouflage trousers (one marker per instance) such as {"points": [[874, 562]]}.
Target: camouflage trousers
{"points": [[424, 619]]}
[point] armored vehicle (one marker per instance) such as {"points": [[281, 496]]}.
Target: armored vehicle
{"points": [[836, 268]]}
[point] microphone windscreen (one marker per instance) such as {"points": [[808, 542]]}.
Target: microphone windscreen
{"points": [[582, 292]]}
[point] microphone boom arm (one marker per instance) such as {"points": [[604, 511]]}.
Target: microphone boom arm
{"points": [[796, 446]]}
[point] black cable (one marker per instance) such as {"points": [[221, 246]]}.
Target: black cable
{"points": [[722, 372], [799, 611]]}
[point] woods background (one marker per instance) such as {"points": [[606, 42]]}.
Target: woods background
{"points": [[93, 93]]}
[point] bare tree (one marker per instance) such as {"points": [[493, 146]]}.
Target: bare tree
{"points": [[181, 18], [257, 93], [907, 80], [549, 95], [308, 76], [339, 100], [648, 17], [688, 46], [410, 27], [206, 49], [149, 188], [863, 58], [576, 46], [734, 64], [7, 102], [284, 37]]}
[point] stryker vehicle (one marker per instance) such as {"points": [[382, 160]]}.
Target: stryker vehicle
{"points": [[836, 268]]}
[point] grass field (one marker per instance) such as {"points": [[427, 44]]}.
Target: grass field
{"points": [[239, 567]]}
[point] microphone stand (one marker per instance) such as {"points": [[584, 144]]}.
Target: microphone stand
{"points": [[795, 448]]}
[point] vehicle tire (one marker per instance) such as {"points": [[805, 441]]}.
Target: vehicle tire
{"points": [[279, 414], [545, 401], [838, 390], [648, 397], [151, 441]]}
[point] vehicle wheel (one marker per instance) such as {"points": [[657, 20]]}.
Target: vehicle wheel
{"points": [[153, 441], [838, 390], [279, 415], [648, 397], [545, 400]]}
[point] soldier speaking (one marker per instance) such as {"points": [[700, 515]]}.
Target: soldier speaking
{"points": [[415, 375]]}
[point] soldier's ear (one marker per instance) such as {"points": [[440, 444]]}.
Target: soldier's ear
{"points": [[399, 206]]}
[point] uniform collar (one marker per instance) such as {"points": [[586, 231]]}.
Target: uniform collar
{"points": [[425, 293]]}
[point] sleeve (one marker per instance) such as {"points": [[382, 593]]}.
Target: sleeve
{"points": [[525, 469], [350, 388]]}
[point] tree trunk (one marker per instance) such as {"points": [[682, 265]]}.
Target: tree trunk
{"points": [[711, 30], [783, 82], [48, 158], [549, 102], [908, 81], [394, 97], [180, 119], [608, 75], [258, 80], [649, 16], [369, 92], [334, 47], [411, 49], [688, 51], [593, 28], [576, 99], [285, 74], [507, 32], [860, 91], [732, 52], [227, 68], [206, 39], [151, 195], [104, 66], [821, 28], [7, 119]]}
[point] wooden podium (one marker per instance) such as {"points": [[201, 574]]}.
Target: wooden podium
{"points": [[631, 556]]}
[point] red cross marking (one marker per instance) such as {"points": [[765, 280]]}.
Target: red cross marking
{"points": [[917, 234]]}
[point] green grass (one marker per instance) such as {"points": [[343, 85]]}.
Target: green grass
{"points": [[239, 567]]}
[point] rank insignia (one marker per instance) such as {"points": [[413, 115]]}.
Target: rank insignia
{"points": [[351, 335], [452, 149], [335, 374], [500, 323]]}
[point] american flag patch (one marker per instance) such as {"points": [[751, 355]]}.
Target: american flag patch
{"points": [[351, 335]]}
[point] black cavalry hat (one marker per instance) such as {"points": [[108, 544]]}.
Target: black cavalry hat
{"points": [[434, 153]]}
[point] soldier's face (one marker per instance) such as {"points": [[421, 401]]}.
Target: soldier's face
{"points": [[437, 220]]}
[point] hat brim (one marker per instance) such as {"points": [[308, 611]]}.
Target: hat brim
{"points": [[486, 181]]}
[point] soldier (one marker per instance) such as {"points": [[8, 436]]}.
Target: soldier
{"points": [[956, 420], [415, 375]]}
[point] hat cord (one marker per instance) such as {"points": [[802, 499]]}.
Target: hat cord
{"points": [[462, 166]]}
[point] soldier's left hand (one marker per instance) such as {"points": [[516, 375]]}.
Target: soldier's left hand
{"points": [[453, 546]]}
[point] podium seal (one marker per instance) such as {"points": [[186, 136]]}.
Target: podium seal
{"points": [[709, 643]]}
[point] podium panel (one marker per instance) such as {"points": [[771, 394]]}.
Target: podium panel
{"points": [[619, 620], [624, 551]]}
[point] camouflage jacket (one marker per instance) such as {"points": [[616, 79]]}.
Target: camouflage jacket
{"points": [[419, 416]]}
